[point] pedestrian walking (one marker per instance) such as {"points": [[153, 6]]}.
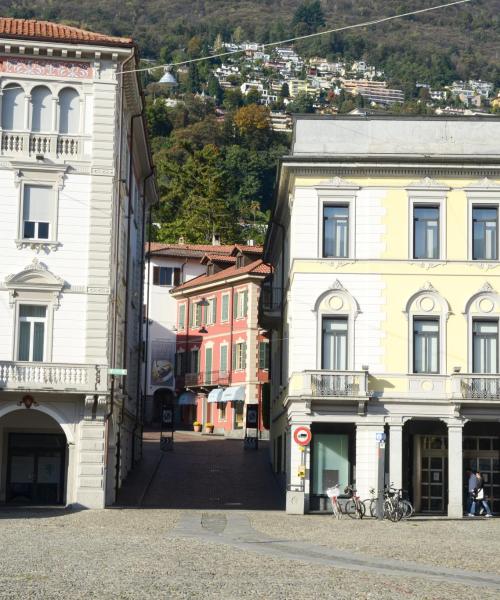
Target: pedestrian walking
{"points": [[480, 497], [471, 492]]}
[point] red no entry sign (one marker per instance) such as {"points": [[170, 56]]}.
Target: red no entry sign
{"points": [[302, 436]]}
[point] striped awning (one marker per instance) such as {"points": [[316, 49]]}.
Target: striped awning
{"points": [[186, 398], [216, 395], [234, 394]]}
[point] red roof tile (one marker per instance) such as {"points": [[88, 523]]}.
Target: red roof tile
{"points": [[43, 30], [257, 267]]}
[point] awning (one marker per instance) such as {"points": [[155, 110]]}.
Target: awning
{"points": [[234, 394], [186, 398], [216, 395]]}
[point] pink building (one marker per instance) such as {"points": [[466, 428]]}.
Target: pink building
{"points": [[222, 358]]}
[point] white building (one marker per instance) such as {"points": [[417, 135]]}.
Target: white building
{"points": [[168, 265], [72, 236]]}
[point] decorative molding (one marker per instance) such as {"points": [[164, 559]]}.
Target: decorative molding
{"points": [[485, 266], [98, 291], [99, 171], [486, 287], [484, 184], [46, 68], [338, 182], [428, 287], [38, 245], [35, 277], [427, 183], [336, 285], [427, 264]]}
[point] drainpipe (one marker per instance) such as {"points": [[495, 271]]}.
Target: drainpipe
{"points": [[141, 328], [146, 348], [278, 224], [127, 287]]}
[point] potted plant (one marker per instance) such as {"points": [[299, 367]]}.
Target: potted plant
{"points": [[209, 427], [197, 426]]}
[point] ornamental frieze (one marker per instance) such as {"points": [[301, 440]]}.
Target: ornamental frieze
{"points": [[45, 68]]}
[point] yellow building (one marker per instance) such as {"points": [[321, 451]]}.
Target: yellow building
{"points": [[384, 307]]}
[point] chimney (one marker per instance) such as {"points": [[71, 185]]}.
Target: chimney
{"points": [[250, 242], [216, 239], [181, 240]]}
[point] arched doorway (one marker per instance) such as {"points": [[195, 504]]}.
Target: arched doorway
{"points": [[33, 459]]}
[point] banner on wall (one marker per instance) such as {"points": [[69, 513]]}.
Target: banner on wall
{"points": [[162, 364]]}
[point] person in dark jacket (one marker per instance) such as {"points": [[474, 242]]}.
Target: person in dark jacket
{"points": [[479, 497]]}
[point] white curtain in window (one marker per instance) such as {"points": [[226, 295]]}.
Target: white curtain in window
{"points": [[41, 109], [426, 354], [335, 344], [485, 335], [13, 108], [69, 111], [37, 205]]}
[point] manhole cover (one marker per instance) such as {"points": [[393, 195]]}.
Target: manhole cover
{"points": [[214, 523]]}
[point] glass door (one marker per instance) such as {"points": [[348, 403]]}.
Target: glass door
{"points": [[433, 474]]}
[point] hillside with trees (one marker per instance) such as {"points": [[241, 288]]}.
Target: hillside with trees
{"points": [[215, 151]]}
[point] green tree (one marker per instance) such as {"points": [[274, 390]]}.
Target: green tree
{"points": [[157, 118], [308, 17], [193, 83], [214, 89], [194, 204], [302, 103], [285, 91]]}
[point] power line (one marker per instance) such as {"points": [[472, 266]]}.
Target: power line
{"points": [[300, 37]]}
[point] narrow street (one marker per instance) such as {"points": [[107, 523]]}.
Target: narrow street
{"points": [[202, 472]]}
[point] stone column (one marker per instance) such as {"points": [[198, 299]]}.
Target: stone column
{"points": [[396, 455], [367, 457], [455, 475]]}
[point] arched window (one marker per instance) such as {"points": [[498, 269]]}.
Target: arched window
{"points": [[482, 311], [13, 107], [41, 109], [337, 310], [427, 312], [69, 111]]}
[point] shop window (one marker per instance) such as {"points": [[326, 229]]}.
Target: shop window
{"points": [[330, 462]]}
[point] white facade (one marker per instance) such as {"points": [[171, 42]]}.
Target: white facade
{"points": [[71, 238], [160, 328]]}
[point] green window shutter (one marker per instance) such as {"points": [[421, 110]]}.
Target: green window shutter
{"points": [[262, 351], [182, 316], [244, 355], [235, 305], [198, 315], [214, 311], [225, 307], [234, 357], [245, 303], [191, 315], [223, 359]]}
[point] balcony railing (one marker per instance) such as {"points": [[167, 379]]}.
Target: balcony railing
{"points": [[15, 143], [206, 379], [476, 387], [346, 384], [27, 376]]}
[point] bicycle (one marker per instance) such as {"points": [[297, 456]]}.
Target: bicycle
{"points": [[395, 506], [352, 507]]}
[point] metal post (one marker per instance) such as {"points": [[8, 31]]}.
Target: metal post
{"points": [[381, 475]]}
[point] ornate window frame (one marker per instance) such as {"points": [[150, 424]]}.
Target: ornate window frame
{"points": [[485, 305], [336, 302], [427, 303], [427, 191], [337, 192], [484, 193], [42, 175], [35, 284]]}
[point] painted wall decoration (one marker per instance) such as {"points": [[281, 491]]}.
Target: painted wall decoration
{"points": [[162, 364], [46, 68]]}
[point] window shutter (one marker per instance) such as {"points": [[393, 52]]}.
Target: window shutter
{"points": [[191, 314], [234, 357], [182, 316], [225, 307], [223, 359], [244, 355], [245, 303], [235, 305], [262, 357], [214, 310], [156, 275], [177, 276]]}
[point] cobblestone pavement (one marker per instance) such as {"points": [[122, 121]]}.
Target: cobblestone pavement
{"points": [[203, 546], [203, 472]]}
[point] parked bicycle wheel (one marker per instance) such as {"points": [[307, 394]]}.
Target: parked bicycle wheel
{"points": [[355, 510], [370, 506], [407, 508]]}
